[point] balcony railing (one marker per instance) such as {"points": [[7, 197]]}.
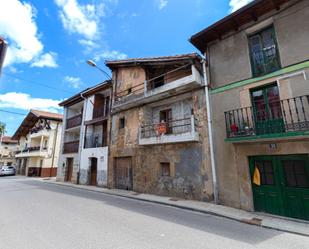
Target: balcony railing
{"points": [[70, 147], [288, 115], [95, 141], [178, 130], [179, 80], [31, 149], [74, 121], [100, 113]]}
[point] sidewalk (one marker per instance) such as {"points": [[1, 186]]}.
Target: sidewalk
{"points": [[258, 219]]}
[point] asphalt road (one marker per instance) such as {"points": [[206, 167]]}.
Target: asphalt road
{"points": [[38, 215]]}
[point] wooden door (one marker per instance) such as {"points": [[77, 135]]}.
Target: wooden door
{"points": [[93, 171], [284, 188], [123, 173], [69, 170], [267, 196]]}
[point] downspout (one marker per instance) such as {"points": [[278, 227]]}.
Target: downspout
{"points": [[54, 150], [210, 133], [82, 135]]}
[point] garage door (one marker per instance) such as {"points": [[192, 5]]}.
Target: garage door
{"points": [[123, 173], [284, 185]]}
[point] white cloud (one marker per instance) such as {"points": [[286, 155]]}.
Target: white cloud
{"points": [[18, 26], [162, 4], [110, 54], [237, 4], [80, 19], [74, 82], [86, 21], [24, 101], [46, 60]]}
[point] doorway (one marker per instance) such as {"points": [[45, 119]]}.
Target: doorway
{"points": [[284, 185], [123, 173], [93, 171], [267, 110], [69, 170]]}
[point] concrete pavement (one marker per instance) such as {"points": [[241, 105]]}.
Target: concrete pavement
{"points": [[268, 221], [36, 215]]}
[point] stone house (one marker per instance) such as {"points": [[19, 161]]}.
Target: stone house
{"points": [[258, 66], [8, 147], [85, 137], [39, 144], [158, 132]]}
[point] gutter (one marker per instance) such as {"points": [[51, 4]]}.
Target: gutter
{"points": [[210, 133]]}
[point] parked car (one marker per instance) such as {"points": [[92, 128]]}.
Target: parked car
{"points": [[7, 171]]}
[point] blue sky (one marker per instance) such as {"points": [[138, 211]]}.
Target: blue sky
{"points": [[50, 41]]}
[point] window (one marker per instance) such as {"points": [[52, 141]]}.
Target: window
{"points": [[266, 172], [122, 123], [295, 173], [264, 52], [165, 169]]}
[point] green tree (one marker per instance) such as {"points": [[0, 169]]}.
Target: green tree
{"points": [[2, 128]]}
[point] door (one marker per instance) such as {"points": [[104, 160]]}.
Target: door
{"points": [[24, 166], [69, 170], [295, 185], [166, 117], [40, 169], [267, 110], [123, 173], [284, 185], [93, 171]]}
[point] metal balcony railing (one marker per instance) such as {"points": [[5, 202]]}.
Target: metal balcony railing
{"points": [[172, 127], [94, 141], [74, 121], [288, 115], [70, 147]]}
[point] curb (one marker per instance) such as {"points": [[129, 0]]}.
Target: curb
{"points": [[254, 221]]}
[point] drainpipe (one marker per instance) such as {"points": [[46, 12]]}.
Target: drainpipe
{"points": [[82, 135], [54, 151], [210, 133]]}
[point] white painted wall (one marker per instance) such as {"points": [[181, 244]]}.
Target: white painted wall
{"points": [[101, 154]]}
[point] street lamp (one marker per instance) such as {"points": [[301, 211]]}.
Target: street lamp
{"points": [[93, 64]]}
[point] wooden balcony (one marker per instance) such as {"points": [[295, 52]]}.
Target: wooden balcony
{"points": [[74, 121], [70, 147]]}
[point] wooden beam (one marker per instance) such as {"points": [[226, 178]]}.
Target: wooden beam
{"points": [[235, 24], [275, 4], [253, 15]]}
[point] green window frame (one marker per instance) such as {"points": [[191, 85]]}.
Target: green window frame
{"points": [[264, 53]]}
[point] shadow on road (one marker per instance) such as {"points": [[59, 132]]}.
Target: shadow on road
{"points": [[207, 223]]}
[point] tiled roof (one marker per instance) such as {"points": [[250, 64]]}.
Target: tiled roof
{"points": [[30, 120], [51, 115], [179, 57], [6, 139], [249, 13], [78, 98]]}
